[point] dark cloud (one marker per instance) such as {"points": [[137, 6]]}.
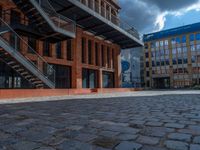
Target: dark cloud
{"points": [[171, 5], [143, 14]]}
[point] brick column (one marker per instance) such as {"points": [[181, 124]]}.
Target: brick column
{"points": [[53, 51], [117, 63], [77, 66], [100, 78]]}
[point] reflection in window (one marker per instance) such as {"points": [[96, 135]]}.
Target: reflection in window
{"points": [[108, 80], [191, 37], [183, 39], [173, 41], [192, 47], [184, 49], [161, 43], [173, 51], [178, 40], [166, 42], [193, 59], [198, 36], [174, 61]]}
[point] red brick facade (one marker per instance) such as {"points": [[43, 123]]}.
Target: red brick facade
{"points": [[110, 54]]}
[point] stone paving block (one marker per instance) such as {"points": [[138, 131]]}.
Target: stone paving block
{"points": [[195, 128], [128, 146], [152, 148], [148, 140], [45, 148], [127, 137], [25, 145], [175, 125], [180, 137], [85, 137], [194, 147], [108, 134], [73, 145], [196, 140], [155, 124], [176, 145], [156, 131]]}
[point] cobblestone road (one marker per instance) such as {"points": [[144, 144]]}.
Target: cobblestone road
{"points": [[131, 123]]}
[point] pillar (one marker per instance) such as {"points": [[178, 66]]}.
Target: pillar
{"points": [[77, 65], [117, 63]]}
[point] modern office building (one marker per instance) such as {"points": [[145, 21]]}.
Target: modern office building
{"points": [[62, 43], [172, 57]]}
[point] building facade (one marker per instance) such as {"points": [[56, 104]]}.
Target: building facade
{"points": [[172, 57], [62, 44]]}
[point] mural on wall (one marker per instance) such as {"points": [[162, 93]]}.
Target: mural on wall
{"points": [[130, 63]]}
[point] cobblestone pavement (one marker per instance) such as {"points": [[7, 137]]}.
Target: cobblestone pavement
{"points": [[129, 123]]}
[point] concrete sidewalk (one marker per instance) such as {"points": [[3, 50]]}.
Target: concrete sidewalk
{"points": [[98, 96]]}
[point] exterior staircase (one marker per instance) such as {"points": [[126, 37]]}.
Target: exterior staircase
{"points": [[43, 16], [11, 54]]}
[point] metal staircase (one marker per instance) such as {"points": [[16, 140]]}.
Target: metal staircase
{"points": [[43, 16], [38, 72]]}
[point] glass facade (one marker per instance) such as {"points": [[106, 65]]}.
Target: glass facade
{"points": [[174, 60], [108, 80], [89, 78]]}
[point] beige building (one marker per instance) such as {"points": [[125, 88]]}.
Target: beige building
{"points": [[172, 57]]}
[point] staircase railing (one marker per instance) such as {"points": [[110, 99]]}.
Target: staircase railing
{"points": [[59, 20], [37, 61]]}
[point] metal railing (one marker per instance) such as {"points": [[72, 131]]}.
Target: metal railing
{"points": [[41, 65], [101, 10], [59, 20]]}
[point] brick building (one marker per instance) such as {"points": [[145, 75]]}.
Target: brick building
{"points": [[62, 43], [172, 57]]}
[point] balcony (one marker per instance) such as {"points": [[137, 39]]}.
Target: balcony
{"points": [[100, 19]]}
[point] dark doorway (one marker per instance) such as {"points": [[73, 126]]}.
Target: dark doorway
{"points": [[161, 83]]}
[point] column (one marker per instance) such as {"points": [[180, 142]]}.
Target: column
{"points": [[99, 6], [110, 13], [105, 10], [77, 65], [117, 62], [100, 78]]}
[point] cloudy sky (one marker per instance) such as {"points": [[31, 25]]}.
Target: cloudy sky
{"points": [[154, 15]]}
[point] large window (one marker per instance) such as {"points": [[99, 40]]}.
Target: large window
{"points": [[46, 49], [108, 79], [63, 76], [102, 56], [83, 51], [198, 36], [58, 50], [96, 54], [89, 51], [192, 47], [15, 41], [89, 78], [15, 17], [178, 40], [191, 37], [183, 39], [32, 44], [69, 50], [108, 57]]}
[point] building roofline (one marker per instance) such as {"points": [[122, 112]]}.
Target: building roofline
{"points": [[173, 31]]}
